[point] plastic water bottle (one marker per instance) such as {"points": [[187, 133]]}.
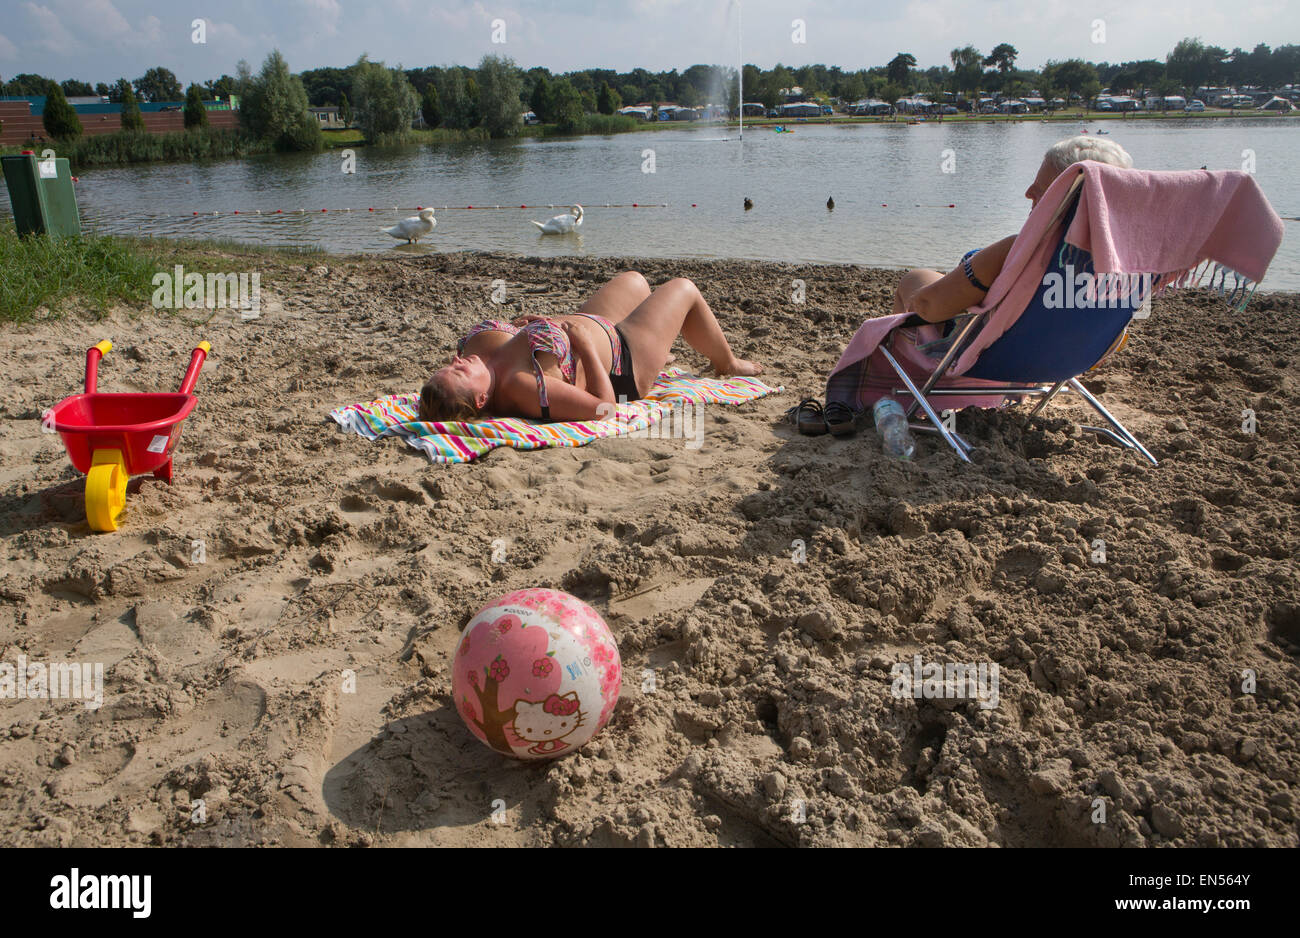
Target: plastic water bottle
{"points": [[891, 424]]}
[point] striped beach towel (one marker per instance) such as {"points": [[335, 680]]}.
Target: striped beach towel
{"points": [[455, 441]]}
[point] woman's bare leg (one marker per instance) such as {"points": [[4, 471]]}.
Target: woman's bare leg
{"points": [[616, 299], [677, 308], [911, 282]]}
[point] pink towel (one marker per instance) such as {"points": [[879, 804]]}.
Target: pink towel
{"points": [[1136, 221]]}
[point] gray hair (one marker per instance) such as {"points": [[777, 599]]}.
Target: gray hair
{"points": [[1061, 156]]}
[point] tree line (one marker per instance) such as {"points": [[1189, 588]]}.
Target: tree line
{"points": [[383, 101]]}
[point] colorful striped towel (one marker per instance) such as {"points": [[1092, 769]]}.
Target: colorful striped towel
{"points": [[454, 441]]}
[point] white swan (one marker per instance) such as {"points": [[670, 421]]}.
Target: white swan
{"points": [[562, 224], [413, 228]]}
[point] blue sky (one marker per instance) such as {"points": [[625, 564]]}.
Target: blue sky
{"points": [[101, 40]]}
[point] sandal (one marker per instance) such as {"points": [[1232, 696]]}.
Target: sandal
{"points": [[807, 417], [840, 419]]}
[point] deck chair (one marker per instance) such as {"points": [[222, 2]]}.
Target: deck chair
{"points": [[1061, 330]]}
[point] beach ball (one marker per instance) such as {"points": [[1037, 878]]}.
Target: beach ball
{"points": [[536, 674]]}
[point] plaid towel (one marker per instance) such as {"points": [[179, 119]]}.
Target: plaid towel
{"points": [[455, 441]]}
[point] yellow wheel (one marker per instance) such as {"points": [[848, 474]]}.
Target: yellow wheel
{"points": [[105, 490]]}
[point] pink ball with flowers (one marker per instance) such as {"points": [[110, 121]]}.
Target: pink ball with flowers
{"points": [[536, 674]]}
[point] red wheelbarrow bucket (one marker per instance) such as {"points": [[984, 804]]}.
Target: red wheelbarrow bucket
{"points": [[111, 437]]}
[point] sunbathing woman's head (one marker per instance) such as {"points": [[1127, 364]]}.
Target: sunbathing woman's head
{"points": [[1061, 156], [459, 391]]}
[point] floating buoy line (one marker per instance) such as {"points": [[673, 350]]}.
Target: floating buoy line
{"points": [[280, 212]]}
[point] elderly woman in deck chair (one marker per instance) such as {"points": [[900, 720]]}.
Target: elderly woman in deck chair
{"points": [[938, 297], [1059, 296]]}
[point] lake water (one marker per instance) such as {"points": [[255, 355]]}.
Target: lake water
{"points": [[891, 195]]}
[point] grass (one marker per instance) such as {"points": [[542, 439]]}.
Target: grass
{"points": [[94, 273], [140, 147]]}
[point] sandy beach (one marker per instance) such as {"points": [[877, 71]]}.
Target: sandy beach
{"points": [[756, 707]]}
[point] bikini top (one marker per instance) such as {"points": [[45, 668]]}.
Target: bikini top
{"points": [[543, 336]]}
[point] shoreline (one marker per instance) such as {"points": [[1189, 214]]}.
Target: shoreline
{"points": [[337, 139]]}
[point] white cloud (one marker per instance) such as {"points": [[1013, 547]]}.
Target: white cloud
{"points": [[323, 15], [7, 49], [51, 34]]}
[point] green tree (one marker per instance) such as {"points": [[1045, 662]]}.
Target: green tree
{"points": [[385, 102], [900, 68], [159, 84], [473, 110], [345, 110], [500, 85], [607, 100], [540, 100], [429, 108], [28, 84], [967, 68], [76, 89], [852, 89], [60, 118], [102, 90], [1073, 76], [274, 106], [132, 119], [1191, 63], [1003, 57], [566, 106], [117, 93], [457, 108], [223, 87], [196, 115]]}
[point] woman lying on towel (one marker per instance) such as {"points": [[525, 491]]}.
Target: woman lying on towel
{"points": [[573, 367], [938, 297]]}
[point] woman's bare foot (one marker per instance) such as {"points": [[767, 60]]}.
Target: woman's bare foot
{"points": [[738, 366]]}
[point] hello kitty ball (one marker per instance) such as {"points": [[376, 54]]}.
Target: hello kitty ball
{"points": [[536, 674]]}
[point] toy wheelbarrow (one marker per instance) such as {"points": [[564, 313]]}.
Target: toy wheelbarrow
{"points": [[111, 437]]}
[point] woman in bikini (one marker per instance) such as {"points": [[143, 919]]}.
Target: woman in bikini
{"points": [[573, 367]]}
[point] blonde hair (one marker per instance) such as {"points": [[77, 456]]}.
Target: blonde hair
{"points": [[439, 404], [1061, 156]]}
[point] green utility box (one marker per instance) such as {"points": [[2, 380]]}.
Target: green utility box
{"points": [[41, 194]]}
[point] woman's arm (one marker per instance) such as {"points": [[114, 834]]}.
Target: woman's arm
{"points": [[584, 350], [953, 293], [517, 397]]}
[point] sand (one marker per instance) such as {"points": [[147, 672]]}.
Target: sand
{"points": [[757, 705]]}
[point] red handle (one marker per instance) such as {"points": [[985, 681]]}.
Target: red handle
{"points": [[196, 363], [93, 355]]}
